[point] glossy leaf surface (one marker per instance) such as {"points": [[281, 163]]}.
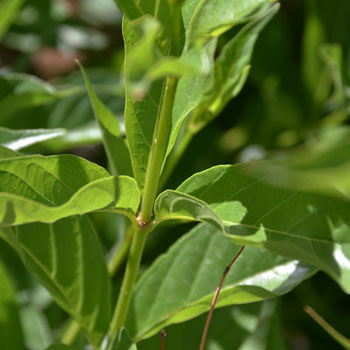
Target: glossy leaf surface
{"points": [[181, 284], [18, 139]]}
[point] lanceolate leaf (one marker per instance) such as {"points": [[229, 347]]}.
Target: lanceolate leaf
{"points": [[293, 222], [230, 71], [209, 94], [46, 189], [180, 284], [11, 336], [18, 139], [212, 17], [69, 262], [166, 12], [115, 146], [188, 94]]}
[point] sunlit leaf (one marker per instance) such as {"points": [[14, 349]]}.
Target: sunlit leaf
{"points": [[45, 189], [180, 285], [18, 139], [257, 209]]}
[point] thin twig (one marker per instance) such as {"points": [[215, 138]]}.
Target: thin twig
{"points": [[163, 332], [343, 341], [216, 295]]}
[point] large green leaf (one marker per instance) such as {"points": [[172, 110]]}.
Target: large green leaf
{"points": [[181, 284], [253, 210], [18, 139], [66, 257], [11, 336], [115, 146], [45, 189], [231, 328], [8, 12]]}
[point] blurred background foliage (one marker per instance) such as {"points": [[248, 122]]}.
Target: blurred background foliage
{"points": [[296, 100]]}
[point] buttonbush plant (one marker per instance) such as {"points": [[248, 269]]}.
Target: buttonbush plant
{"points": [[185, 60]]}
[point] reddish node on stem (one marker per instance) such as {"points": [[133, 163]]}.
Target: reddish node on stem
{"points": [[163, 333], [216, 295], [141, 223]]}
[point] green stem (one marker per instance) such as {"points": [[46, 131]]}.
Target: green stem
{"points": [[343, 341], [160, 142], [154, 168], [131, 272], [121, 252]]}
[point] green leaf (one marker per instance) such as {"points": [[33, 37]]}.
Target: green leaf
{"points": [[11, 336], [208, 95], [231, 328], [115, 146], [122, 341], [46, 189], [18, 139], [8, 12], [232, 65], [257, 210], [131, 8], [180, 285], [189, 93], [69, 262], [212, 17], [167, 13]]}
